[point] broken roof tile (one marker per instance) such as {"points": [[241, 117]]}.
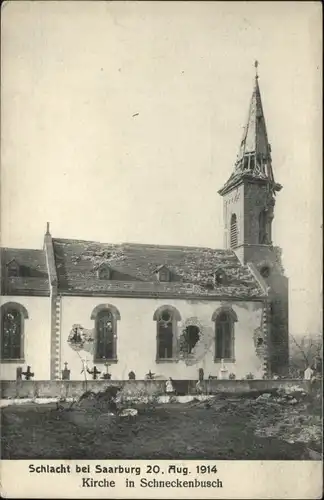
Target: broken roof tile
{"points": [[191, 268]]}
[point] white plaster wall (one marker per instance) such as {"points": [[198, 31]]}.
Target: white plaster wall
{"points": [[136, 337], [37, 336]]}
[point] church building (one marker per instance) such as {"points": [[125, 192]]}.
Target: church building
{"points": [[174, 311]]}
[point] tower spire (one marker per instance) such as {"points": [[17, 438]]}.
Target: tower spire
{"points": [[254, 157], [256, 64]]}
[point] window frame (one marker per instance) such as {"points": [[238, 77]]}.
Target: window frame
{"points": [[233, 235], [163, 274], [13, 266], [96, 315], [175, 318], [104, 269], [231, 319], [5, 308]]}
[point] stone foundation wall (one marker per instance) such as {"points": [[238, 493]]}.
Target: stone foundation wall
{"points": [[72, 389]]}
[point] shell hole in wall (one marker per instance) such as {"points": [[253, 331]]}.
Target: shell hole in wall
{"points": [[166, 316], [192, 334]]}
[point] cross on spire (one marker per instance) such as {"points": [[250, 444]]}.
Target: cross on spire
{"points": [[256, 64]]}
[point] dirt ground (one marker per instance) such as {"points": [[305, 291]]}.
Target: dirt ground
{"points": [[224, 428]]}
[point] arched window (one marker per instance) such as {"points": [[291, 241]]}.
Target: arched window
{"points": [[224, 334], [106, 317], [263, 237], [234, 237], [166, 318], [13, 317]]}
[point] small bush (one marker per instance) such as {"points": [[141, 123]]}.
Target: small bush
{"points": [[249, 376]]}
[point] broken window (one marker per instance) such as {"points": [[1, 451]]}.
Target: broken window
{"points": [[246, 162], [166, 318], [106, 335], [165, 335], [224, 336]]}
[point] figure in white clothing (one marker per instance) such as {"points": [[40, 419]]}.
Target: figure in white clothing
{"points": [[199, 388], [308, 373], [169, 389], [169, 386]]}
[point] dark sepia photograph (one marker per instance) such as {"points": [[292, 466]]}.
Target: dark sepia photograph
{"points": [[161, 232]]}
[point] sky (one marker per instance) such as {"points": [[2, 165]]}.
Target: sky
{"points": [[121, 120]]}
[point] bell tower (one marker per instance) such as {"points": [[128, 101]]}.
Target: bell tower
{"points": [[249, 193], [249, 201]]}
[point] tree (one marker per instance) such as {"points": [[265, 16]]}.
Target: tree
{"points": [[305, 351], [81, 339]]}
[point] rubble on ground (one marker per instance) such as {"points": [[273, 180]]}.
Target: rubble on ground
{"points": [[102, 400], [128, 412], [284, 413]]}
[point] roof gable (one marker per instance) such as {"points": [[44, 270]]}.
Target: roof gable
{"points": [[31, 277]]}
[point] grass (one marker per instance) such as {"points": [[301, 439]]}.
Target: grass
{"points": [[229, 429]]}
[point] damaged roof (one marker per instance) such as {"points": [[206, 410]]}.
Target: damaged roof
{"points": [[253, 162], [31, 272], [134, 270]]}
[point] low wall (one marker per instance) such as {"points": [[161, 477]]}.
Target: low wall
{"points": [[72, 389]]}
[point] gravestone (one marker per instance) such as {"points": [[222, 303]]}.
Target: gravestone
{"points": [[19, 373], [66, 372], [28, 373], [107, 375], [94, 372]]}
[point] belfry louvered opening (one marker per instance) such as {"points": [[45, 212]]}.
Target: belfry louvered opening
{"points": [[234, 232]]}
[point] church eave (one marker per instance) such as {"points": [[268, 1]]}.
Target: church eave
{"points": [[25, 292], [237, 181], [260, 297]]}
